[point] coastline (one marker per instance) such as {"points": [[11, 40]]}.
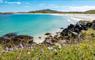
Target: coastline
{"points": [[77, 16], [74, 17]]}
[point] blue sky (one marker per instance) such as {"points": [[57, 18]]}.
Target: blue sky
{"points": [[61, 5]]}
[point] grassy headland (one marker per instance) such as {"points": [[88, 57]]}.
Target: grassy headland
{"points": [[81, 51]]}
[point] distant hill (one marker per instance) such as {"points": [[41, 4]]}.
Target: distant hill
{"points": [[53, 11], [7, 12], [90, 11], [45, 11], [61, 12], [86, 12]]}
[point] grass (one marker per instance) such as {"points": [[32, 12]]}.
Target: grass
{"points": [[81, 51]]}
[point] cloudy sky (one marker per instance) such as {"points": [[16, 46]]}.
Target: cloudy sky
{"points": [[61, 5]]}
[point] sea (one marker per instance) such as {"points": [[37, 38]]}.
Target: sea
{"points": [[32, 24]]}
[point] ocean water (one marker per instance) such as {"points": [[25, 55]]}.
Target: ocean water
{"points": [[31, 24]]}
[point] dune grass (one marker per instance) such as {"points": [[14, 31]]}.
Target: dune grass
{"points": [[85, 50]]}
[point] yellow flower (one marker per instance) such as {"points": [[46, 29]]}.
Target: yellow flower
{"points": [[28, 52], [82, 46]]}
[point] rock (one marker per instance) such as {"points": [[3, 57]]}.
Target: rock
{"points": [[47, 33], [23, 38], [93, 26], [10, 35]]}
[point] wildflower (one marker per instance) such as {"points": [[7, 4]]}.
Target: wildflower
{"points": [[28, 52]]}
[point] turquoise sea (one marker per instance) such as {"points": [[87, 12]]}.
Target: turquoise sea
{"points": [[31, 24]]}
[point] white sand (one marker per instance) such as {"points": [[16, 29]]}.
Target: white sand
{"points": [[78, 17]]}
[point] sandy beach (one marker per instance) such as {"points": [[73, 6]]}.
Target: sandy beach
{"points": [[87, 17]]}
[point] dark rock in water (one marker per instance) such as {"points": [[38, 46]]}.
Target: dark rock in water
{"points": [[71, 26], [71, 29], [61, 28], [7, 37], [75, 30], [47, 33], [12, 39], [10, 35], [64, 32], [24, 37], [78, 30]]}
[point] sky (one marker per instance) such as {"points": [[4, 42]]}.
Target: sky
{"points": [[60, 5]]}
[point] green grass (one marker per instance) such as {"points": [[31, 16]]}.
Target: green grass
{"points": [[81, 51]]}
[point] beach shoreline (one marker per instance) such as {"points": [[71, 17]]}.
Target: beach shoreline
{"points": [[77, 16], [74, 17]]}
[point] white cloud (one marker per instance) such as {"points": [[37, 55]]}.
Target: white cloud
{"points": [[80, 8], [76, 8], [18, 3], [13, 2], [71, 8]]}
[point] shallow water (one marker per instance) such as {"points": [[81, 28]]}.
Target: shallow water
{"points": [[31, 24]]}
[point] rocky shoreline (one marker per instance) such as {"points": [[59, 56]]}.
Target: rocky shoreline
{"points": [[70, 35]]}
